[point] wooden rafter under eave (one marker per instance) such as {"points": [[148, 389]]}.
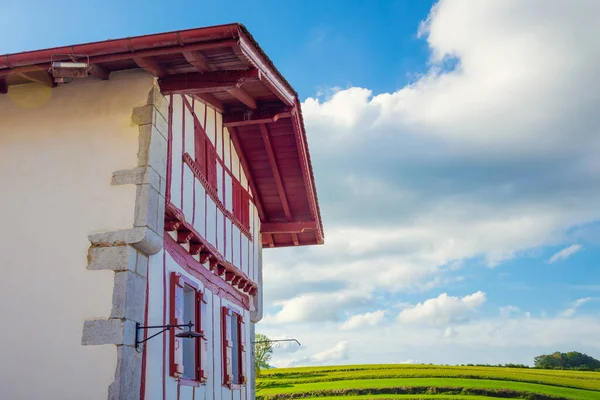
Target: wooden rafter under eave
{"points": [[3, 85], [208, 82]]}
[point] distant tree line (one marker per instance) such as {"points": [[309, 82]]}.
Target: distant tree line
{"points": [[572, 360]]}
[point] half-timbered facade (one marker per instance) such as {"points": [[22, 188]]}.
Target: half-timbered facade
{"points": [[140, 189]]}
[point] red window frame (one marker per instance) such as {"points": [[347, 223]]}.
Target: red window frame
{"points": [[226, 329], [178, 284]]}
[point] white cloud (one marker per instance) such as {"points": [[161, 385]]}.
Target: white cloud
{"points": [[474, 165], [338, 353], [575, 305], [316, 307], [443, 310], [565, 253], [363, 320]]}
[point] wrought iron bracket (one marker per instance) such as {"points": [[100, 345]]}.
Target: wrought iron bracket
{"points": [[188, 334]]}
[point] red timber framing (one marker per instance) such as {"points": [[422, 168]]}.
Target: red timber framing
{"points": [[224, 67]]}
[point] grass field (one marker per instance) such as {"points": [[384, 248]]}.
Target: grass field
{"points": [[426, 382]]}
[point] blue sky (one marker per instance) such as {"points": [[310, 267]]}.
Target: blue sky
{"points": [[455, 152]]}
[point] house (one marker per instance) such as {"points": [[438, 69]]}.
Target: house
{"points": [[141, 179]]}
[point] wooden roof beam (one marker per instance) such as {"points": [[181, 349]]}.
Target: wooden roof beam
{"points": [[208, 82], [44, 78], [197, 59], [99, 72], [287, 227], [239, 93], [273, 161], [150, 65], [257, 117], [211, 100]]}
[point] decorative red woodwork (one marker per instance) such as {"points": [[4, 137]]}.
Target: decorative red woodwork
{"points": [[227, 346], [235, 281], [229, 275], [195, 248], [241, 284], [172, 225], [239, 93], [184, 236], [218, 263], [208, 82]]}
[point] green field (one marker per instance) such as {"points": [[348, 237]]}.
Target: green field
{"points": [[426, 382]]}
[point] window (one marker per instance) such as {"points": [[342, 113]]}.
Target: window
{"points": [[234, 348], [188, 356], [206, 155]]}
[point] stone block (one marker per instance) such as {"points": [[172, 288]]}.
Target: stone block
{"points": [[146, 207], [142, 238], [108, 331], [161, 123], [143, 115], [116, 258], [141, 267], [128, 375], [160, 102], [129, 297]]}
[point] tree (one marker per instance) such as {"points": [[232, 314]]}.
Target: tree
{"points": [[570, 360], [262, 352]]}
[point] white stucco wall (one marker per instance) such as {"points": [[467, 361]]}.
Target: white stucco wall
{"points": [[58, 149]]}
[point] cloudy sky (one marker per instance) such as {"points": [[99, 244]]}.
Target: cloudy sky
{"points": [[456, 149]]}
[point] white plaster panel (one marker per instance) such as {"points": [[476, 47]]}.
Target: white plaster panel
{"points": [[221, 232], [189, 131], [58, 149], [228, 192], [245, 258], [188, 192], [200, 209], [176, 160], [200, 111], [227, 148], [228, 233], [186, 393], [217, 352], [236, 246], [235, 165], [220, 182], [243, 179], [210, 124], [154, 348], [220, 135], [211, 221]]}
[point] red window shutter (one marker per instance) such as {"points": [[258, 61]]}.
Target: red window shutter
{"points": [[202, 357], [242, 348], [211, 165], [227, 346], [245, 205], [236, 198], [200, 147], [176, 349]]}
